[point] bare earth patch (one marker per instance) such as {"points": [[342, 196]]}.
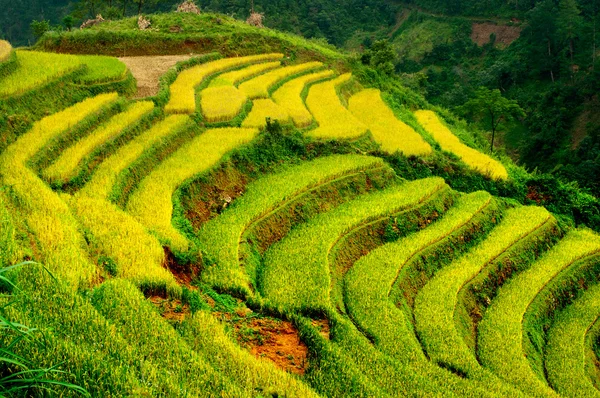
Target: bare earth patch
{"points": [[505, 35], [147, 70]]}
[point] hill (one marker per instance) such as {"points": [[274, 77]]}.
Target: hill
{"points": [[279, 219]]}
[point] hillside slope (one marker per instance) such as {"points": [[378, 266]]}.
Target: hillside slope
{"points": [[279, 220]]}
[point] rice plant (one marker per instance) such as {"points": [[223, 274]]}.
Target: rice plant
{"points": [[46, 214], [105, 176], [289, 97], [70, 159], [101, 69], [263, 109], [182, 91], [389, 132], [221, 103], [565, 352], [335, 121], [435, 304], [221, 236], [259, 86], [36, 69], [501, 329], [151, 204], [296, 269], [5, 50], [236, 76], [450, 143]]}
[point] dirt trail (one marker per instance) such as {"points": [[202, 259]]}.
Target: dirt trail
{"points": [[147, 70]]}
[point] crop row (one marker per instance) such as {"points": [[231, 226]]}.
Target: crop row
{"points": [[36, 69], [182, 91], [501, 330], [221, 236], [152, 205], [289, 97], [221, 103], [436, 302], [335, 121], [46, 214], [66, 165], [389, 132], [106, 175], [565, 351], [296, 269], [450, 143], [259, 86], [234, 77], [263, 109]]}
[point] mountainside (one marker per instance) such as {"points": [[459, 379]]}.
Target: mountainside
{"points": [[268, 215]]}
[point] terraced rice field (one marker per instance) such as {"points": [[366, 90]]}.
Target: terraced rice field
{"points": [[326, 265]]}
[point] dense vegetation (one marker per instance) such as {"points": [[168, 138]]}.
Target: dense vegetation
{"points": [[280, 219]]}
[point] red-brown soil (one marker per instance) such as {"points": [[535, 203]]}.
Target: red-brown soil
{"points": [[505, 35]]}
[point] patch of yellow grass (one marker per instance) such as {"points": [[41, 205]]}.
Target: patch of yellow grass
{"points": [[151, 204], [60, 244], [263, 109], [105, 177], [450, 143], [289, 97], [259, 86], [35, 69], [236, 76], [5, 50], [66, 165], [183, 90], [392, 134], [221, 103], [335, 121]]}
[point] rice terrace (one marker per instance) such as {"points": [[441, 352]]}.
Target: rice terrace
{"points": [[278, 219]]}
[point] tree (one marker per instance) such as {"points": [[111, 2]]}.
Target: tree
{"points": [[491, 109], [569, 23], [380, 56], [38, 28]]}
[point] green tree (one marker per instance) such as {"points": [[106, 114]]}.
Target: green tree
{"points": [[490, 109], [38, 28], [380, 56], [569, 23]]}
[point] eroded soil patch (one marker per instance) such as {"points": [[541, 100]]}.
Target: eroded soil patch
{"points": [[505, 35], [273, 339], [147, 70], [169, 309]]}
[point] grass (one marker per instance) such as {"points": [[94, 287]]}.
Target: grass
{"points": [[183, 98], [565, 351], [152, 205], [389, 132], [259, 86], [221, 103], [5, 50], [220, 237], [501, 330], [234, 77], [289, 97], [296, 269], [101, 69], [335, 121], [106, 175], [436, 302], [46, 214], [66, 166], [263, 109], [36, 69], [450, 143]]}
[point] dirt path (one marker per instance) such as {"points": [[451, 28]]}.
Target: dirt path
{"points": [[147, 71]]}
